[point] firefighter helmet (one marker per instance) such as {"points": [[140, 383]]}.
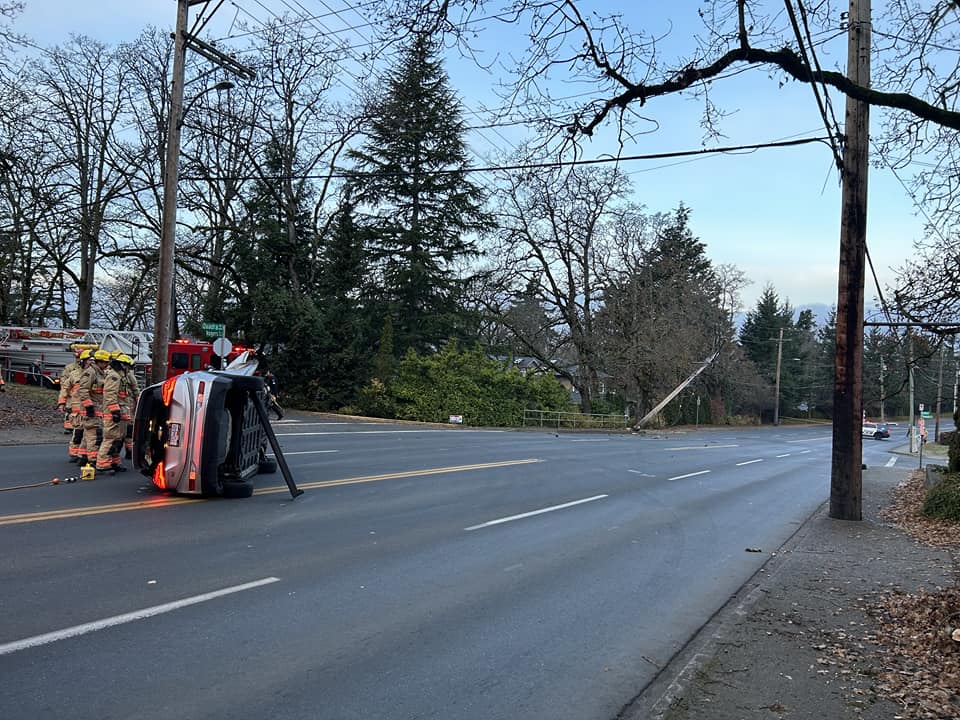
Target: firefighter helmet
{"points": [[102, 356], [124, 358], [115, 354], [85, 354]]}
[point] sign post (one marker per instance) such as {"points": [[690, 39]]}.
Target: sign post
{"points": [[222, 347]]}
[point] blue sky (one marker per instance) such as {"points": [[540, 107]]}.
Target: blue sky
{"points": [[774, 213]]}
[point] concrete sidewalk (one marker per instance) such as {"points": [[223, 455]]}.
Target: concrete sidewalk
{"points": [[796, 642]]}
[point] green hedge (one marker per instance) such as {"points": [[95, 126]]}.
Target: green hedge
{"points": [[467, 383], [943, 499]]}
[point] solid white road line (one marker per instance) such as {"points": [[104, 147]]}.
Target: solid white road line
{"points": [[358, 432], [891, 462], [534, 512], [387, 432], [699, 447], [77, 630], [301, 423], [784, 455], [750, 462], [638, 472], [693, 474], [308, 452]]}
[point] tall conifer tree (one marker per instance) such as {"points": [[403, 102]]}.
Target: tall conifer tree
{"points": [[411, 178]]}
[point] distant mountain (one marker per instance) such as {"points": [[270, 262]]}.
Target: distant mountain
{"points": [[821, 311]]}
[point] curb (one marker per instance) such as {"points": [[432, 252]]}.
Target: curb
{"points": [[656, 700]]}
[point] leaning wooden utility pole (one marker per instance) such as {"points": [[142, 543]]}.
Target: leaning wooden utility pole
{"points": [[846, 480]]}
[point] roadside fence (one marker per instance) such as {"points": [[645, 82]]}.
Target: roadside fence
{"points": [[558, 419]]}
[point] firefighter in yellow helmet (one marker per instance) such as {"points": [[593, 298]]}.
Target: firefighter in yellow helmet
{"points": [[69, 376], [90, 394], [115, 416], [128, 399], [76, 448]]}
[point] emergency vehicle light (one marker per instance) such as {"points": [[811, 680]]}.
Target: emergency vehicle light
{"points": [[166, 392], [160, 476]]}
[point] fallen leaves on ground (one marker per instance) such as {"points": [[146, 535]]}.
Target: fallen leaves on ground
{"points": [[904, 510], [918, 658], [27, 406]]}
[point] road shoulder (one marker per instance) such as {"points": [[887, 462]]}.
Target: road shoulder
{"points": [[796, 641]]}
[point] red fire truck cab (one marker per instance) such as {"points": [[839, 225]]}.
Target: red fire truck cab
{"points": [[189, 355]]}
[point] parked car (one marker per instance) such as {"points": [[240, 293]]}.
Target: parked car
{"points": [[878, 431], [200, 433]]}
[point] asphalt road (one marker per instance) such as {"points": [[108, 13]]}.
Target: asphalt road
{"points": [[424, 573]]}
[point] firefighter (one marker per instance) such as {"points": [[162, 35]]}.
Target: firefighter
{"points": [[90, 394], [115, 416], [67, 380], [132, 394], [76, 448]]}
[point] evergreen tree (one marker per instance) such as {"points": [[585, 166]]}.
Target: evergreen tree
{"points": [[278, 309], [411, 176], [760, 338], [823, 382], [761, 331], [342, 356], [273, 257], [384, 362], [664, 315]]}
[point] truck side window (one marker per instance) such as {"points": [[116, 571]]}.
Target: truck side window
{"points": [[195, 362], [179, 360]]}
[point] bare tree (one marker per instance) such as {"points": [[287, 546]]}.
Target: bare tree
{"points": [[31, 267], [301, 124], [554, 231], [83, 82]]}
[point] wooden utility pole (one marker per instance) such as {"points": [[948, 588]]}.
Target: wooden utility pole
{"points": [[936, 417], [168, 219], [776, 406], [846, 480], [166, 272]]}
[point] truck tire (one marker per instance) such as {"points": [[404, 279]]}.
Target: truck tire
{"points": [[267, 466], [238, 488]]}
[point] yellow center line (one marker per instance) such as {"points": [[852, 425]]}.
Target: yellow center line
{"points": [[95, 510], [397, 475], [164, 502]]}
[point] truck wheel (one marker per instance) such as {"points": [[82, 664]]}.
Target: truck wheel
{"points": [[238, 489], [267, 466]]}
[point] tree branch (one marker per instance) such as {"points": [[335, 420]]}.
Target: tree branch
{"points": [[786, 60]]}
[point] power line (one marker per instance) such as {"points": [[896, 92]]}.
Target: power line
{"points": [[546, 165]]}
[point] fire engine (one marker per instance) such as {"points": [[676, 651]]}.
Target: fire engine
{"points": [[37, 356], [184, 355]]}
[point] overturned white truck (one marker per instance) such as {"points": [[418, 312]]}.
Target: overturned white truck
{"points": [[37, 356]]}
